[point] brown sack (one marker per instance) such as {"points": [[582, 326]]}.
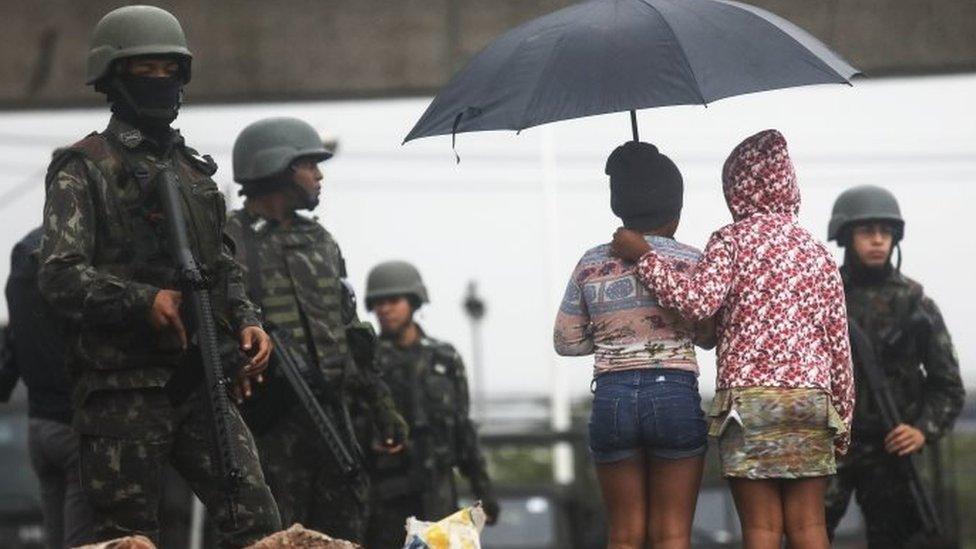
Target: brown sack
{"points": [[128, 542], [299, 537]]}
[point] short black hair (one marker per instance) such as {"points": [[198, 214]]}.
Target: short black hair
{"points": [[266, 185], [413, 300]]}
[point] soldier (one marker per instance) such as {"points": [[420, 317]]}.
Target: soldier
{"points": [[429, 385], [296, 272], [106, 266], [914, 350], [38, 357]]}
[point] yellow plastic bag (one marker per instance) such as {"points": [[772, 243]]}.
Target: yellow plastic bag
{"points": [[462, 530]]}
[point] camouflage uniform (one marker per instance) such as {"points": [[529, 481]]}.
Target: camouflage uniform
{"points": [[430, 387], [104, 256], [301, 291], [916, 353]]}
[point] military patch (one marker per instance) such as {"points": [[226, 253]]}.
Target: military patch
{"points": [[440, 368], [131, 138]]}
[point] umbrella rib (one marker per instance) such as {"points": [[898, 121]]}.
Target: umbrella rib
{"points": [[535, 88], [681, 49], [751, 11]]}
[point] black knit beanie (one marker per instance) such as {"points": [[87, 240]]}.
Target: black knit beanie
{"points": [[646, 189]]}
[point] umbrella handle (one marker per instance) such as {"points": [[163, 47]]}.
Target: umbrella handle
{"points": [[633, 124]]}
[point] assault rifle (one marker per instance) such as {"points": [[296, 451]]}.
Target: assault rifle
{"points": [[423, 464], [890, 418], [296, 372], [413, 471], [194, 283]]}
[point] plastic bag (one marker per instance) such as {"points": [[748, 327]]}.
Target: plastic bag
{"points": [[462, 530]]}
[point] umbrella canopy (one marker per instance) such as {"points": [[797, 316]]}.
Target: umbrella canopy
{"points": [[603, 56]]}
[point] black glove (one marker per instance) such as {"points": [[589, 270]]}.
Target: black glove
{"points": [[490, 506]]}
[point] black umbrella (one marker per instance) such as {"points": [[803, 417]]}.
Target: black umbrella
{"points": [[603, 56]]}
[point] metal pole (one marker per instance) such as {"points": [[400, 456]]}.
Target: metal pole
{"points": [[474, 307], [633, 124], [562, 452]]}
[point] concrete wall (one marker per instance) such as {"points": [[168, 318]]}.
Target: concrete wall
{"points": [[262, 50]]}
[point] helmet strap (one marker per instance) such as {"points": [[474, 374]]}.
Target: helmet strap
{"points": [[261, 187], [307, 202]]}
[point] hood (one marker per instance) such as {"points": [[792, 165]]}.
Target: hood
{"points": [[758, 177]]}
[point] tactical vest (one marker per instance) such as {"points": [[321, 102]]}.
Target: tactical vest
{"points": [[426, 391], [132, 243], [295, 273]]}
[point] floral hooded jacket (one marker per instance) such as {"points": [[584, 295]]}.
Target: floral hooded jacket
{"points": [[776, 290]]}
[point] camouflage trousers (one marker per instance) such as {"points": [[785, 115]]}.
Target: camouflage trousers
{"points": [[389, 512], [129, 435], [306, 481], [884, 498]]}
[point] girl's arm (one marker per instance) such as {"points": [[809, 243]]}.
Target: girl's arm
{"points": [[697, 293], [839, 346], [572, 335]]}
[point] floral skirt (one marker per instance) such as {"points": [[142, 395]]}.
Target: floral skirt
{"points": [[773, 432]]}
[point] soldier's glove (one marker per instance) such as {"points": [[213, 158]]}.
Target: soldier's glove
{"points": [[490, 506], [392, 427]]}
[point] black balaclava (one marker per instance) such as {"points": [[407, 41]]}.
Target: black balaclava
{"points": [[645, 186], [148, 103]]}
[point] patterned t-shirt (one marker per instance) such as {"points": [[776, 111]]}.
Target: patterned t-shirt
{"points": [[606, 312]]}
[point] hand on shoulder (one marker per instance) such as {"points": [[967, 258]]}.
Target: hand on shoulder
{"points": [[629, 245]]}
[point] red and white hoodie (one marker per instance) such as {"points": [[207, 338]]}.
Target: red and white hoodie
{"points": [[782, 321]]}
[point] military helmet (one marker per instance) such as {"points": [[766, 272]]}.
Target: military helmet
{"points": [[861, 204], [132, 31], [267, 148], [395, 278]]}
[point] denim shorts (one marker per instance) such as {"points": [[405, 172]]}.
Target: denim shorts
{"points": [[655, 410]]}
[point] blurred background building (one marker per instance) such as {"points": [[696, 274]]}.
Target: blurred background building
{"points": [[249, 50]]}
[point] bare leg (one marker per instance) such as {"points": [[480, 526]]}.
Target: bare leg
{"points": [[803, 513], [760, 507], [622, 484], [672, 487]]}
